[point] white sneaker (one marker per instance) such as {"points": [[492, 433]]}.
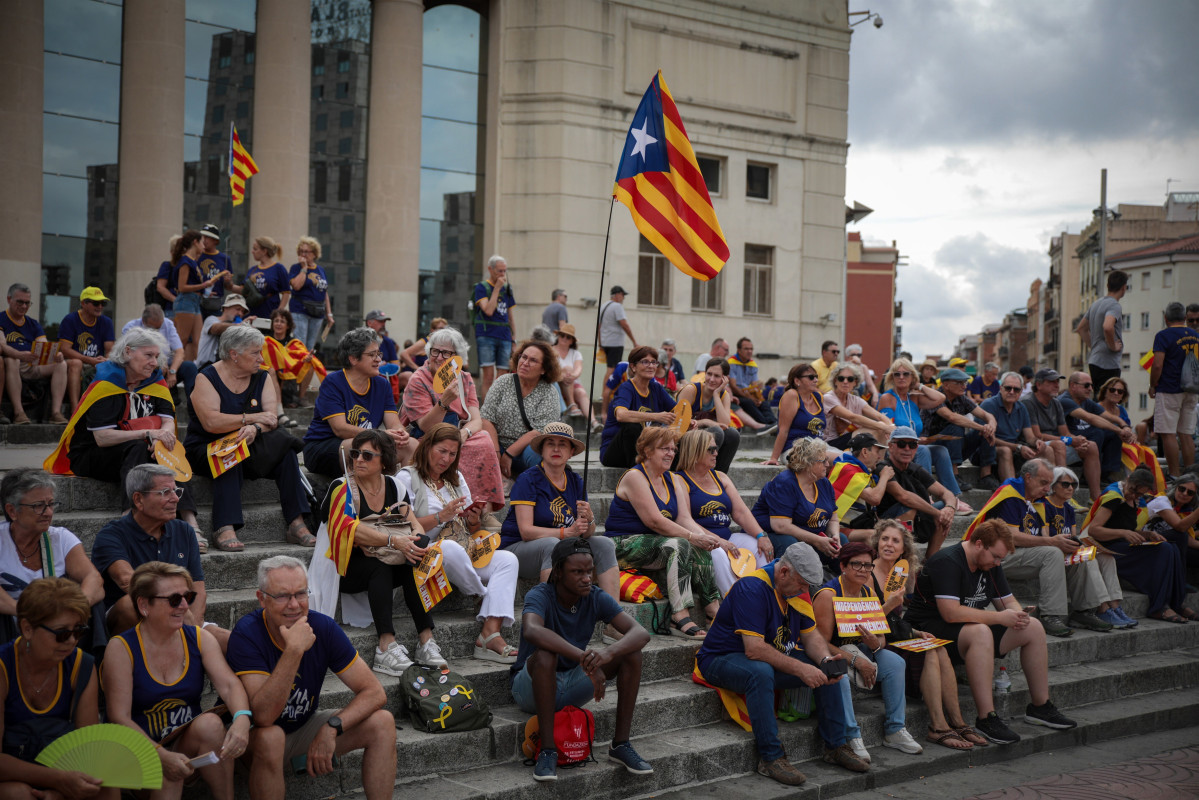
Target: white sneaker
{"points": [[859, 749], [394, 661], [902, 741], [429, 654]]}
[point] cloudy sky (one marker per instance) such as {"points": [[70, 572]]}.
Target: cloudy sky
{"points": [[978, 130]]}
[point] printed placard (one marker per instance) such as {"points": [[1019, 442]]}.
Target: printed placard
{"points": [[854, 611], [898, 578], [43, 351], [919, 645], [428, 565], [175, 458], [435, 587], [682, 418], [1081, 554], [225, 453], [482, 548], [446, 373]]}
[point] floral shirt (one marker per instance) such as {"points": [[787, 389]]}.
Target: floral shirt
{"points": [[500, 407]]}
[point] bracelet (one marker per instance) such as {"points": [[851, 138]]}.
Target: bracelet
{"points": [[760, 535], [243, 419], [853, 660], [245, 712], [562, 533], [437, 517]]}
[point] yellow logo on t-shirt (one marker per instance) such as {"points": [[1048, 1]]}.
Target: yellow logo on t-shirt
{"points": [[359, 417]]}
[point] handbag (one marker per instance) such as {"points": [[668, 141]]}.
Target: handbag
{"points": [[314, 310], [26, 739], [393, 521], [254, 298], [211, 306]]}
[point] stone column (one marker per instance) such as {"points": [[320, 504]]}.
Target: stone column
{"points": [[21, 64], [278, 194], [392, 239], [150, 169]]}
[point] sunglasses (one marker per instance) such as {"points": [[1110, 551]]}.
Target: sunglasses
{"points": [[62, 634], [97, 303], [906, 444], [835, 352], [1011, 388], [1120, 392], [846, 379], [713, 450], [903, 374], [1085, 385], [1068, 484], [366, 455], [1184, 490], [173, 600], [810, 376]]}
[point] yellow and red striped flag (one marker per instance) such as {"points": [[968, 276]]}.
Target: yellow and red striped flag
{"points": [[241, 166], [1147, 360], [343, 524], [659, 180], [848, 481], [1138, 455]]}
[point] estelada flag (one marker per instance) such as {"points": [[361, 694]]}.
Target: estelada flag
{"points": [[241, 166], [1138, 455], [848, 481], [288, 361], [659, 180], [226, 453], [1147, 360], [343, 524], [1012, 487], [1112, 492]]}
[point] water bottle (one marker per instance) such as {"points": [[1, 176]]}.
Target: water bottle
{"points": [[1003, 684]]}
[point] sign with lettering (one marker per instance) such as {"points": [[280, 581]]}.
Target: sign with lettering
{"points": [[854, 611]]}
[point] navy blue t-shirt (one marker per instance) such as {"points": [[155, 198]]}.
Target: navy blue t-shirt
{"points": [[88, 340], [210, 264], [654, 400], [1073, 424], [20, 337], [337, 398], [552, 507], [124, 540], [316, 286], [270, 283], [1174, 343], [493, 326], [575, 627], [389, 350]]}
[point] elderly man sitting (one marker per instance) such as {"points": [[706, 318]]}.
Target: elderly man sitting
{"points": [[974, 427], [1049, 425], [1014, 440]]}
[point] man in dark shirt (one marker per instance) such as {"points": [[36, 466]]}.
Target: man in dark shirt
{"points": [[1088, 419], [910, 493], [1049, 426], [1173, 408], [962, 417], [556, 666], [1014, 442], [950, 602]]}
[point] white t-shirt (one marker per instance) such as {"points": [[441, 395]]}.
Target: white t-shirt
{"points": [[1157, 505], [437, 500], [567, 363], [207, 351], [611, 334], [854, 405], [62, 541]]}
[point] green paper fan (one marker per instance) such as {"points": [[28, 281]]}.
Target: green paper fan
{"points": [[117, 755]]}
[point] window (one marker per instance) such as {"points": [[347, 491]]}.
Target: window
{"points": [[1167, 278], [1144, 320], [1125, 361], [711, 169], [1143, 403], [222, 86], [251, 46], [344, 145], [319, 147], [224, 61], [708, 295], [322, 122], [347, 119], [343, 61], [354, 274], [247, 82], [320, 184], [318, 69], [347, 251], [318, 92], [354, 305], [214, 176], [757, 181], [1145, 280], [243, 110], [1128, 322], [218, 113], [98, 214], [344, 173], [759, 279], [324, 225], [343, 91], [653, 277], [347, 223], [189, 176], [100, 182]]}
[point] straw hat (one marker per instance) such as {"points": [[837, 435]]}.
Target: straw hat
{"points": [[560, 430], [568, 329]]}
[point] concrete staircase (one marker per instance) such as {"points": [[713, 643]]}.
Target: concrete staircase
{"points": [[1114, 684]]}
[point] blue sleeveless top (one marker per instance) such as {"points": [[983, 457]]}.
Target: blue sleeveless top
{"points": [[906, 412], [714, 512], [805, 425], [19, 708], [248, 400], [622, 517], [157, 707]]}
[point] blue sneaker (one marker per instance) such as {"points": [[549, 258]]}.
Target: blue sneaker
{"points": [[625, 755], [1113, 618], [547, 766], [1128, 621]]}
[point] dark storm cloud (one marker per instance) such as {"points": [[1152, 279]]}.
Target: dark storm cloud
{"points": [[944, 72]]}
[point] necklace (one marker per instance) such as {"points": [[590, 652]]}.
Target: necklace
{"points": [[45, 680], [25, 558]]}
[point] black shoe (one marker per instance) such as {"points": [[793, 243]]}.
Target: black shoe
{"points": [[1049, 716], [965, 487], [988, 482], [994, 729]]}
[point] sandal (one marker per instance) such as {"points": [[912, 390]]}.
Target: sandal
{"points": [[201, 542], [972, 736], [485, 653], [1171, 617], [300, 535], [687, 629], [287, 422], [230, 544], [948, 738], [1189, 613]]}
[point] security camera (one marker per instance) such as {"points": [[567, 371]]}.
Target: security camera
{"points": [[878, 22]]}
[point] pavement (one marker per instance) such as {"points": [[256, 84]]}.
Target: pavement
{"points": [[1150, 766]]}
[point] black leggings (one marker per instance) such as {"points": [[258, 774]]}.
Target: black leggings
{"points": [[379, 581]]}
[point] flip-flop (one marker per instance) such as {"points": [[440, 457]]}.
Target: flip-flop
{"points": [[682, 630], [947, 738], [972, 736]]}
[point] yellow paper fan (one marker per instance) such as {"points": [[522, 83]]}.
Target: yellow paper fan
{"points": [[117, 755]]}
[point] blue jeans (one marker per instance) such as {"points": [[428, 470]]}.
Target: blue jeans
{"points": [[935, 457], [971, 443], [308, 329], [493, 352], [758, 681], [527, 459], [890, 681], [574, 689]]}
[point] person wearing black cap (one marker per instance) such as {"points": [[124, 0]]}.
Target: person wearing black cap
{"points": [[1049, 425], [556, 665], [613, 326], [215, 264], [860, 484]]}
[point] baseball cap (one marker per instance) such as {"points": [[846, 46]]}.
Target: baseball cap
{"points": [[376, 315], [903, 432], [954, 374], [212, 231], [567, 548], [618, 289], [1046, 375], [863, 440], [93, 293], [235, 300]]}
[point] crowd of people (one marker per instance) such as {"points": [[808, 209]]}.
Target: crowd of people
{"points": [[428, 469]]}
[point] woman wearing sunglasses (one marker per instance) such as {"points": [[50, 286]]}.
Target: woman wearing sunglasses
{"points": [[712, 409], [44, 688], [154, 676], [1175, 516], [801, 411], [848, 412]]}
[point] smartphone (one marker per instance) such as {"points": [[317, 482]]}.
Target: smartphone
{"points": [[478, 505], [299, 764]]}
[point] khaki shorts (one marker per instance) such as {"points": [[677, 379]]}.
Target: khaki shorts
{"points": [[29, 371], [297, 742], [1174, 413]]}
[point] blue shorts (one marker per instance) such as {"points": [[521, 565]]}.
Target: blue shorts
{"points": [[493, 352], [187, 303], [574, 689]]}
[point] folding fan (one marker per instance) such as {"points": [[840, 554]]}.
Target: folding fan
{"points": [[117, 755]]}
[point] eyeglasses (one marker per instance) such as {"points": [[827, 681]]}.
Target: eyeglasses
{"points": [[62, 634], [846, 379], [1085, 385], [299, 597], [22, 302], [40, 508], [178, 492], [713, 450], [669, 449], [648, 362], [173, 600], [1068, 484], [532, 360], [861, 566], [436, 353], [902, 374], [373, 354], [1012, 388], [906, 444], [366, 455]]}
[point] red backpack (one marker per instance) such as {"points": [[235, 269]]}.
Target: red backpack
{"points": [[574, 732]]}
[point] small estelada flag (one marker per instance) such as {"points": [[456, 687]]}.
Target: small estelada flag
{"points": [[241, 166], [854, 611], [226, 453]]}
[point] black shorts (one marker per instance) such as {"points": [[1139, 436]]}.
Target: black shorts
{"points": [[322, 457], [613, 355], [953, 631]]}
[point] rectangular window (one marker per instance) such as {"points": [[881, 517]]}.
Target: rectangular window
{"points": [[1144, 320], [354, 305], [243, 110], [222, 86], [759, 280], [347, 251], [218, 114], [1125, 361], [318, 69], [247, 82], [322, 122], [1145, 276], [189, 176], [344, 145], [711, 168], [343, 61], [653, 277], [224, 61], [101, 181], [1143, 403], [214, 176], [344, 173], [251, 46], [708, 295], [319, 147], [1128, 322], [347, 119], [343, 91], [1167, 278], [318, 92], [324, 225], [354, 274], [320, 185], [347, 223], [758, 180]]}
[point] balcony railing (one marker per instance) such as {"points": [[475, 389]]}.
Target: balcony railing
{"points": [[898, 309], [1049, 347], [1050, 313]]}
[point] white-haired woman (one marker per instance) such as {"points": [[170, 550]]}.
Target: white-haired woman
{"points": [[424, 407], [799, 504], [848, 412], [235, 396]]}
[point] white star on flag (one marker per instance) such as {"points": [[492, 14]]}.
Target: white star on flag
{"points": [[642, 139]]}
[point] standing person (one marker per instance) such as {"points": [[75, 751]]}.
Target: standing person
{"points": [[18, 330], [269, 276], [310, 306], [214, 264], [744, 383], [555, 314], [711, 403], [85, 338], [495, 328], [613, 326], [826, 364], [377, 321], [165, 287], [1102, 330], [720, 349], [190, 285], [570, 369], [1173, 406]]}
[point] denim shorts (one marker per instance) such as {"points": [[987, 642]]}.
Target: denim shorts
{"points": [[493, 352], [574, 689], [187, 303]]}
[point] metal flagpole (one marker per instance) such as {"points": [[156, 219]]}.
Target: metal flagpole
{"points": [[595, 367]]}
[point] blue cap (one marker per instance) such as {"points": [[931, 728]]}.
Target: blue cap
{"points": [[903, 432], [954, 374]]}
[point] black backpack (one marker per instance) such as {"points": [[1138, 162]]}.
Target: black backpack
{"points": [[150, 294], [442, 701]]}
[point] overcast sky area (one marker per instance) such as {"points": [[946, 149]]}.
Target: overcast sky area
{"points": [[978, 129]]}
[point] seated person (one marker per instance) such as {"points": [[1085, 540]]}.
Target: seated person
{"points": [[800, 505], [801, 412], [234, 311], [664, 375], [557, 667], [18, 331], [867, 654], [1049, 425], [528, 392], [1085, 417], [848, 412], [904, 402], [711, 408], [765, 639], [751, 406], [910, 493], [1041, 553], [234, 395], [51, 612], [163, 663], [349, 400], [986, 385], [954, 587], [287, 360], [85, 338], [859, 484], [178, 369], [972, 425], [1175, 515], [638, 402], [28, 498], [149, 532], [282, 653], [1014, 439]]}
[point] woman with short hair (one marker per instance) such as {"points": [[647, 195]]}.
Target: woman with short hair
{"points": [[799, 504], [638, 402], [848, 412], [309, 302]]}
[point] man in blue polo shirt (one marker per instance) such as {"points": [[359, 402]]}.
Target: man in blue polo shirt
{"points": [[1014, 440], [494, 327], [282, 652], [85, 337], [19, 330]]}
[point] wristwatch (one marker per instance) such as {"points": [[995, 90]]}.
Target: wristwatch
{"points": [[335, 724]]}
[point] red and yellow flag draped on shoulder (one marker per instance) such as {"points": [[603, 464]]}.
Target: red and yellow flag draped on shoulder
{"points": [[848, 481]]}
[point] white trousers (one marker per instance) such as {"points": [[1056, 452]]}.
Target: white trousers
{"points": [[495, 583], [723, 569]]}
